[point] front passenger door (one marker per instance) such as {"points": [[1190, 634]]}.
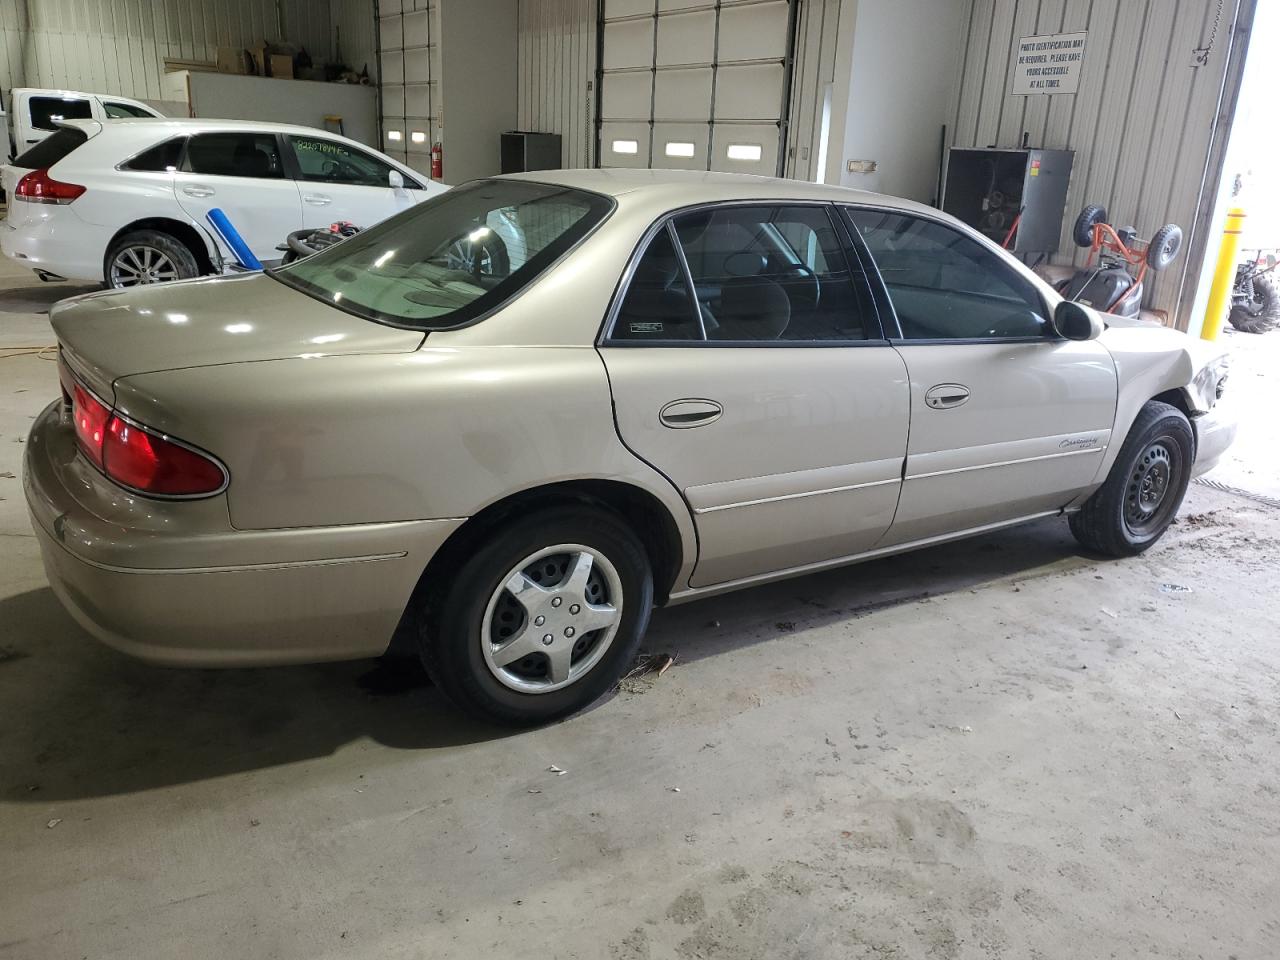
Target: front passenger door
{"points": [[339, 182], [1008, 419]]}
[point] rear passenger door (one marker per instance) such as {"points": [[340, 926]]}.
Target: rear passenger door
{"points": [[1008, 419], [748, 366], [339, 182], [243, 174]]}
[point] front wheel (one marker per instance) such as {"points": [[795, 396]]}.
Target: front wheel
{"points": [[542, 619], [1145, 487]]}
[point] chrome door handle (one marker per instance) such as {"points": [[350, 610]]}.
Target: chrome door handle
{"points": [[317, 199], [691, 412], [945, 396], [195, 190]]}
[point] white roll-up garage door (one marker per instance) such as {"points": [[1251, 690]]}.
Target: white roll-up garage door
{"points": [[410, 73], [693, 85]]}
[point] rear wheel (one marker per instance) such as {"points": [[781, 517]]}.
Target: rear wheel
{"points": [[1260, 311], [1164, 246], [148, 256], [542, 619], [1145, 487]]}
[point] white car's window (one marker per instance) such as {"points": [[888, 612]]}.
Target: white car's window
{"points": [[946, 286], [121, 111], [46, 110], [760, 274], [327, 161], [234, 155], [163, 157], [453, 257]]}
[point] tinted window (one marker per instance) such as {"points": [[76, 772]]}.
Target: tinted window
{"points": [[947, 286], [45, 110], [327, 161], [162, 157], [50, 150], [234, 155], [760, 274], [453, 257], [657, 305], [120, 111]]}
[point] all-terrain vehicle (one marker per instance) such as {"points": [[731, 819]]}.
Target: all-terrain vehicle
{"points": [[1108, 280], [1255, 295]]}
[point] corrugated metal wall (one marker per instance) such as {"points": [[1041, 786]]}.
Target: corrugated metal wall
{"points": [[118, 46], [352, 23], [1142, 123], [556, 57]]}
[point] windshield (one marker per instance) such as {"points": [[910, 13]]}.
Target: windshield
{"points": [[452, 258]]}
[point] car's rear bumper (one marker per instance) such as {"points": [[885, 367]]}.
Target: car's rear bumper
{"points": [[1215, 432], [173, 583], [54, 239]]}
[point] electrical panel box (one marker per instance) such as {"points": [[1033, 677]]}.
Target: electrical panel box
{"points": [[523, 151], [992, 190]]}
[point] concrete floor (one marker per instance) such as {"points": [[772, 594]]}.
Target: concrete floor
{"points": [[1001, 748]]}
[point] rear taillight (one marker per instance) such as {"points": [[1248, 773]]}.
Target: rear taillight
{"points": [[38, 187], [150, 463], [137, 457]]}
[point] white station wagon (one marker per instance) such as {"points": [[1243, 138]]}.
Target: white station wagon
{"points": [[674, 385], [126, 201]]}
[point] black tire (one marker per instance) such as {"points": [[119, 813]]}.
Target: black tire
{"points": [[146, 245], [1264, 313], [1082, 232], [1163, 248], [1106, 523], [450, 633]]}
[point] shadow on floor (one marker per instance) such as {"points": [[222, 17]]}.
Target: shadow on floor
{"points": [[84, 721], [39, 298]]}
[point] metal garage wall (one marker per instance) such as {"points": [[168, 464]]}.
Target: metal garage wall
{"points": [[556, 56], [353, 24], [409, 66], [118, 46], [1143, 123]]}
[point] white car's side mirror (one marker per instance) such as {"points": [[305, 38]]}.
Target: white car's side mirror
{"points": [[1075, 321], [395, 179]]}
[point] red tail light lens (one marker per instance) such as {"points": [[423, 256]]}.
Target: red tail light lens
{"points": [[137, 458], [90, 418], [38, 187]]}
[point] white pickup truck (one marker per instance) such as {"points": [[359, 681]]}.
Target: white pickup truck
{"points": [[33, 112]]}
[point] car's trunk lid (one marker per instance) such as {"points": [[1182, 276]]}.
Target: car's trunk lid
{"points": [[200, 323]]}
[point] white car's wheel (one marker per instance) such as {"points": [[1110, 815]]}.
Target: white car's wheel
{"points": [[542, 619], [148, 256]]}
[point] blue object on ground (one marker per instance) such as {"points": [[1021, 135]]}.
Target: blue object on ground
{"points": [[231, 237]]}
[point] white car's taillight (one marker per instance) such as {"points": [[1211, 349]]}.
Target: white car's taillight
{"points": [[38, 187]]}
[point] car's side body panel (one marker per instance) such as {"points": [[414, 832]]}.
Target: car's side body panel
{"points": [[1029, 436], [804, 463]]}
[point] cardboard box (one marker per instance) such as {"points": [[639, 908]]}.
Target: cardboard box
{"points": [[259, 57], [231, 60], [281, 66]]}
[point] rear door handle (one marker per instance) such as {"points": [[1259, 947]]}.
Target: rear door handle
{"points": [[944, 396], [197, 190], [317, 199], [690, 412]]}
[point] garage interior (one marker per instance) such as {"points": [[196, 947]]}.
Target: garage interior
{"points": [[1003, 747]]}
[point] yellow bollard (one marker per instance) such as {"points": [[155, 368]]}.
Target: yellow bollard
{"points": [[1224, 276]]}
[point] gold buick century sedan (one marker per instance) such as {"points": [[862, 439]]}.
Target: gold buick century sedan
{"points": [[511, 420]]}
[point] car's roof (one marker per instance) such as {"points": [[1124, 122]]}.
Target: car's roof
{"points": [[685, 187], [185, 125]]}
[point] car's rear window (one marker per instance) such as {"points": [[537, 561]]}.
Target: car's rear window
{"points": [[51, 149], [452, 258]]}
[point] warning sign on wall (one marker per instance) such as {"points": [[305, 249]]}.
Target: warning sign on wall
{"points": [[1048, 64]]}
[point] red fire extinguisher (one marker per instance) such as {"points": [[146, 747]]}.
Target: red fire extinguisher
{"points": [[437, 161]]}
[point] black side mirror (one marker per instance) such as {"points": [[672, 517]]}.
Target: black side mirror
{"points": [[1075, 321]]}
